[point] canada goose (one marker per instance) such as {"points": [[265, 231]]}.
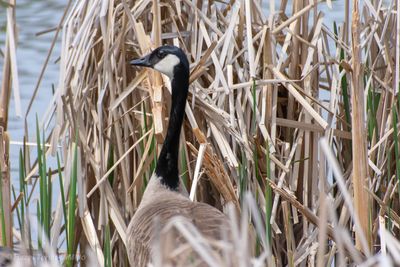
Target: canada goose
{"points": [[162, 198]]}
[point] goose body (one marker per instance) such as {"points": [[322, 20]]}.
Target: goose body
{"points": [[142, 230], [162, 199]]}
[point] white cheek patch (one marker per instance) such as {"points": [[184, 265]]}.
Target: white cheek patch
{"points": [[167, 64]]}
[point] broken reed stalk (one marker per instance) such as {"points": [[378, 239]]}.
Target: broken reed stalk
{"points": [[360, 175]]}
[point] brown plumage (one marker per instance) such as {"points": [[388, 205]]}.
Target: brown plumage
{"points": [[159, 204], [162, 199]]}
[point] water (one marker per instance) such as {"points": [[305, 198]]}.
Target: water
{"points": [[32, 17]]}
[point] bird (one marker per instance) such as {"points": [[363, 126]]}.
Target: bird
{"points": [[163, 198]]}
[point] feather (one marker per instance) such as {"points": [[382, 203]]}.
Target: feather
{"points": [[160, 205]]}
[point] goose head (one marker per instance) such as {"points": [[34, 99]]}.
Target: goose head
{"points": [[167, 59]]}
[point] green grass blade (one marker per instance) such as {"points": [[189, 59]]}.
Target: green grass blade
{"points": [[344, 83], [39, 237], [41, 175], [396, 143], [3, 221], [184, 169], [72, 206], [22, 190], [110, 163], [152, 149], [49, 202], [242, 176], [46, 203], [61, 182], [44, 183], [107, 248]]}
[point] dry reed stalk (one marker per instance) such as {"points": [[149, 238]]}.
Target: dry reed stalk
{"points": [[11, 39], [5, 89], [362, 201]]}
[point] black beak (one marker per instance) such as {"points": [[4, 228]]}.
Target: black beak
{"points": [[143, 62]]}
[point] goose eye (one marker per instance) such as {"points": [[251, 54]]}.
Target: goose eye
{"points": [[161, 54]]}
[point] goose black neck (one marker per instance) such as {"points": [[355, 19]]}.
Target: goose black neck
{"points": [[167, 164]]}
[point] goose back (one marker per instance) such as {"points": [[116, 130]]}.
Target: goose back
{"points": [[162, 204]]}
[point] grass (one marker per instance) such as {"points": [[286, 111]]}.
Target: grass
{"points": [[44, 186], [22, 190], [107, 248], [71, 219], [396, 144], [273, 95], [3, 221], [63, 199]]}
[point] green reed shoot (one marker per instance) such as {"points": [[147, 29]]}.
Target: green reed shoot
{"points": [[72, 206], [396, 143], [3, 221], [44, 184], [107, 248]]}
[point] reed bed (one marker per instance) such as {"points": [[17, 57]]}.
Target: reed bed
{"points": [[291, 125]]}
